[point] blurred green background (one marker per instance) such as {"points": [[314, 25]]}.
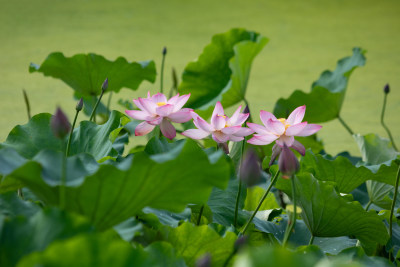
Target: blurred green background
{"points": [[306, 38]]}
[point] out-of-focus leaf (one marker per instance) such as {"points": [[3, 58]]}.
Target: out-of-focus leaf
{"points": [[206, 214], [30, 138], [327, 93], [114, 193], [191, 242], [375, 149], [20, 236], [222, 71], [11, 205], [276, 256], [85, 73], [329, 215], [379, 194], [254, 194], [91, 250]]}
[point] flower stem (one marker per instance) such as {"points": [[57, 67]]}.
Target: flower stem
{"points": [[292, 221], [311, 240], [63, 181], [109, 101], [239, 187], [393, 203], [95, 106], [200, 214], [70, 134], [384, 125], [28, 106], [162, 72], [260, 203], [20, 193], [345, 125]]}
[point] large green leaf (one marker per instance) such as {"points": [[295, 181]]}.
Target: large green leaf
{"points": [[327, 214], [12, 205], [98, 140], [30, 138], [20, 236], [193, 242], [327, 93], [375, 149], [222, 71], [89, 137], [114, 193], [85, 73], [346, 176], [101, 250]]}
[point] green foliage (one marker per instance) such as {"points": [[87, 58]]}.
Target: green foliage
{"points": [[327, 214], [222, 71], [325, 100], [85, 73]]}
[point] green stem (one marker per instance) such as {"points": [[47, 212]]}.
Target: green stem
{"points": [[311, 240], [200, 214], [368, 205], [20, 193], [162, 74], [393, 203], [384, 125], [95, 107], [109, 101], [28, 106], [260, 203], [292, 221], [345, 125], [70, 134], [62, 185], [240, 186]]}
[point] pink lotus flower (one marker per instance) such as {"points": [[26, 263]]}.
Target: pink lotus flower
{"points": [[282, 131], [222, 128], [157, 110]]}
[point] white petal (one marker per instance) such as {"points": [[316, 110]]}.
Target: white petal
{"points": [[180, 102], [138, 114], [195, 133], [159, 97], [265, 116], [275, 127], [293, 130], [218, 110], [143, 129], [181, 116], [310, 129], [165, 110], [167, 129], [297, 115], [258, 128]]}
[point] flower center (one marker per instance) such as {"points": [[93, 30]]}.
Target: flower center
{"points": [[161, 104], [223, 116], [284, 122]]}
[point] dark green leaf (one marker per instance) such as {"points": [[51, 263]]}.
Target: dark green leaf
{"points": [[329, 215], [11, 205], [85, 73], [20, 236], [375, 149], [327, 94], [114, 193]]}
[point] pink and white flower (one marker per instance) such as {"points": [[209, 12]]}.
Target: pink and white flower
{"points": [[222, 127], [157, 110], [282, 130]]}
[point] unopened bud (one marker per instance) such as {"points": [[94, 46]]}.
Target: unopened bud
{"points": [[246, 109], [386, 89], [164, 51], [204, 261], [288, 162], [224, 147], [104, 86], [276, 150], [59, 124], [250, 169], [240, 243], [79, 106]]}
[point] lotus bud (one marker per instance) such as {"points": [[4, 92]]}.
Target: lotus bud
{"points": [[164, 51], [288, 162], [386, 89], [104, 86], [250, 169], [59, 124], [246, 109], [240, 243], [79, 106], [204, 261], [276, 150]]}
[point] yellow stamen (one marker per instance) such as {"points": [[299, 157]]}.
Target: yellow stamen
{"points": [[161, 104], [223, 116], [287, 125]]}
